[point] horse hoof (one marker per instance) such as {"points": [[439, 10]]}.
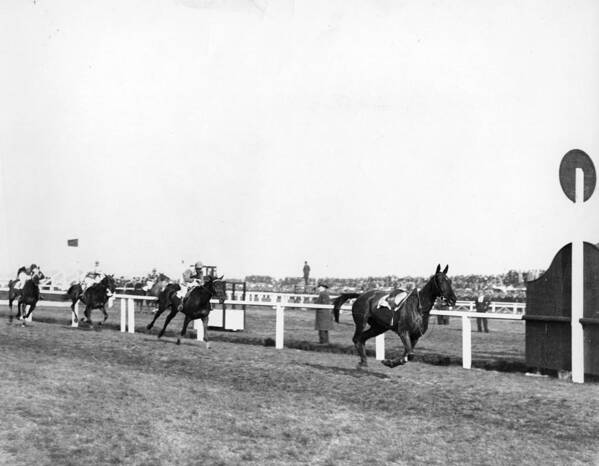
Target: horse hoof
{"points": [[148, 327], [410, 357], [207, 345], [362, 365], [386, 362], [178, 341]]}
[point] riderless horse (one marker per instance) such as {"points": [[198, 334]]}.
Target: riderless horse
{"points": [[409, 318], [94, 297], [195, 306]]}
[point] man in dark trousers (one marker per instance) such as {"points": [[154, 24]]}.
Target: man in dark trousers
{"points": [[482, 305], [324, 317], [306, 273]]}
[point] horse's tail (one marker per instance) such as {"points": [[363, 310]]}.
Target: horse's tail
{"points": [[338, 302]]}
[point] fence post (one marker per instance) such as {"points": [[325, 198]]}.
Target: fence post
{"points": [[380, 347], [75, 323], [466, 342], [199, 326], [280, 325], [123, 315], [131, 315], [471, 306]]}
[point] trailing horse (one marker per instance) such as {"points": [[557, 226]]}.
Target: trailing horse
{"points": [[195, 306], [94, 297], [28, 296], [408, 319]]}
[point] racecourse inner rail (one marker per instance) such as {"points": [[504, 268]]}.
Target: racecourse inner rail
{"points": [[282, 301]]}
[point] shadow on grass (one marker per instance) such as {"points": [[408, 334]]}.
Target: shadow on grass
{"points": [[356, 373]]}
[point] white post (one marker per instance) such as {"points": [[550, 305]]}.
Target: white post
{"points": [[466, 343], [75, 323], [123, 315], [578, 287], [280, 326], [380, 347], [471, 306], [199, 325], [131, 315]]}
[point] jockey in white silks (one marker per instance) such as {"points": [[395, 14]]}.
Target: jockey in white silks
{"points": [[93, 276], [96, 276], [190, 279], [27, 273]]}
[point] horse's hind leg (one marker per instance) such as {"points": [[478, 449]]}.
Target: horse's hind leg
{"points": [[184, 329], [373, 331]]}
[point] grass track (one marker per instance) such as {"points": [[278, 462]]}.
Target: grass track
{"points": [[72, 396]]}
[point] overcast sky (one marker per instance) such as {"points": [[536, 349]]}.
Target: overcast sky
{"points": [[367, 137]]}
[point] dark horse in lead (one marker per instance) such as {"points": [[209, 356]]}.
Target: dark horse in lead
{"points": [[195, 306], [409, 319], [94, 297]]}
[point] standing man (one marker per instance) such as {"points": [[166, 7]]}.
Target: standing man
{"points": [[482, 305], [324, 317], [306, 273]]}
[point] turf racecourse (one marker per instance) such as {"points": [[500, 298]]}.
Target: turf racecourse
{"points": [[75, 396]]}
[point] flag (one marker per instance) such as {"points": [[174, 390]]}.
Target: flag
{"points": [[73, 242]]}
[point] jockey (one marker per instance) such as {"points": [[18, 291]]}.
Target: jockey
{"points": [[93, 276], [192, 276], [23, 274], [27, 273]]}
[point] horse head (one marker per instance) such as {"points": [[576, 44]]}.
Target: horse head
{"points": [[109, 282], [443, 285], [217, 288]]}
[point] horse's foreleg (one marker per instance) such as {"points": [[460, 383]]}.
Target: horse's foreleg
{"points": [[88, 315], [31, 308], [407, 354], [184, 329], [103, 308], [169, 317], [157, 314]]}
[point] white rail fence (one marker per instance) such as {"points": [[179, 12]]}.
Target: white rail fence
{"points": [[281, 302]]}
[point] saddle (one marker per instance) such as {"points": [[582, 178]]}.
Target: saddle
{"points": [[388, 306]]}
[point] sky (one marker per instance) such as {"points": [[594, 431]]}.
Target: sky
{"points": [[367, 137]]}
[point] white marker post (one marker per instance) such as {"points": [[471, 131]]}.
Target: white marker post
{"points": [[280, 324], [131, 316], [123, 315], [466, 342], [578, 285], [75, 323], [379, 342], [199, 326]]}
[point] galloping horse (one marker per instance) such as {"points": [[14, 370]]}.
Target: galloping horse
{"points": [[28, 296], [94, 297], [408, 319], [195, 306]]}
